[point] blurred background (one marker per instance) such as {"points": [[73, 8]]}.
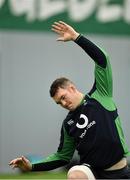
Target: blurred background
{"points": [[31, 58]]}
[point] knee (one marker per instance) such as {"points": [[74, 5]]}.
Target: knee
{"points": [[80, 172], [77, 175]]}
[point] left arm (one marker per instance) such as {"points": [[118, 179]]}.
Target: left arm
{"points": [[61, 157], [103, 74]]}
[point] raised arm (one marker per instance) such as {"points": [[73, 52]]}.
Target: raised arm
{"points": [[67, 33], [103, 74]]}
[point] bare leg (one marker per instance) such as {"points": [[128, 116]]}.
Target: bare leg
{"points": [[80, 172]]}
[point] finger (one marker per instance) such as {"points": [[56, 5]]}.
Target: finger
{"points": [[63, 23], [14, 166], [57, 31], [10, 163], [15, 161], [56, 27], [59, 24], [60, 39]]}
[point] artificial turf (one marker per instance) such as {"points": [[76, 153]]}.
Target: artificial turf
{"points": [[45, 175]]}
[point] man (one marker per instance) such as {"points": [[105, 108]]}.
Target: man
{"points": [[92, 126]]}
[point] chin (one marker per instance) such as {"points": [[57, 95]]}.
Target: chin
{"points": [[71, 108]]}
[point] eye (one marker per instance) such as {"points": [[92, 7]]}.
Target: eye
{"points": [[63, 97]]}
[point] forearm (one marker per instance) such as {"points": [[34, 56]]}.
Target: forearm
{"points": [[92, 50], [61, 157], [47, 166]]}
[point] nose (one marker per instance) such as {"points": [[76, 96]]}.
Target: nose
{"points": [[64, 103]]}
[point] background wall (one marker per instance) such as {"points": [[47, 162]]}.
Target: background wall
{"points": [[29, 120]]}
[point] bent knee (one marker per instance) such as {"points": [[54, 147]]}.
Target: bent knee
{"points": [[77, 175], [80, 172]]}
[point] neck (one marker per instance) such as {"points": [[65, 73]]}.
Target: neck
{"points": [[81, 98]]}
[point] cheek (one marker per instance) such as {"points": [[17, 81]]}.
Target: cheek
{"points": [[68, 98], [71, 98]]}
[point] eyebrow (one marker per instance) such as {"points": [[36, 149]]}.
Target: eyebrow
{"points": [[58, 102]]}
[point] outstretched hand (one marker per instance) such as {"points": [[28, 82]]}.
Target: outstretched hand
{"points": [[21, 163], [65, 31]]}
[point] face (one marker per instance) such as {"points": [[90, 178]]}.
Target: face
{"points": [[66, 97]]}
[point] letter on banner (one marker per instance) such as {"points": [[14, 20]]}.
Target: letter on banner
{"points": [[1, 3], [109, 13], [23, 7], [48, 8], [81, 10], [127, 11]]}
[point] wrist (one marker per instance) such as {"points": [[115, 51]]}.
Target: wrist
{"points": [[75, 36], [78, 37], [31, 167]]}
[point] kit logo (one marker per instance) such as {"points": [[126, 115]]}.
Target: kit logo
{"points": [[85, 125], [85, 118], [70, 122]]}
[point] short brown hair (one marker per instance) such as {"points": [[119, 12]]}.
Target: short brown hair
{"points": [[59, 82]]}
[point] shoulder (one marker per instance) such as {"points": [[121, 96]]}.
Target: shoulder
{"points": [[68, 120]]}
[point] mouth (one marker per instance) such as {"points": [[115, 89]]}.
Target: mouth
{"points": [[70, 107]]}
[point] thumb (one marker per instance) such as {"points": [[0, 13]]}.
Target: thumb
{"points": [[60, 39], [24, 159], [26, 163]]}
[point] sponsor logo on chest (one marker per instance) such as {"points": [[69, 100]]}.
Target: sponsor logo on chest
{"points": [[85, 125]]}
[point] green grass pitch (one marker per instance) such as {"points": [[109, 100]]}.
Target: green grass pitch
{"points": [[37, 175]]}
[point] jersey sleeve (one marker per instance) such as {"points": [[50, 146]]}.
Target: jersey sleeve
{"points": [[61, 157], [103, 74]]}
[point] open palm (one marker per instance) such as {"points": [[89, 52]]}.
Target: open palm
{"points": [[65, 31]]}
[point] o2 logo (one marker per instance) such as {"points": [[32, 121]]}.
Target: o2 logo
{"points": [[81, 126]]}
